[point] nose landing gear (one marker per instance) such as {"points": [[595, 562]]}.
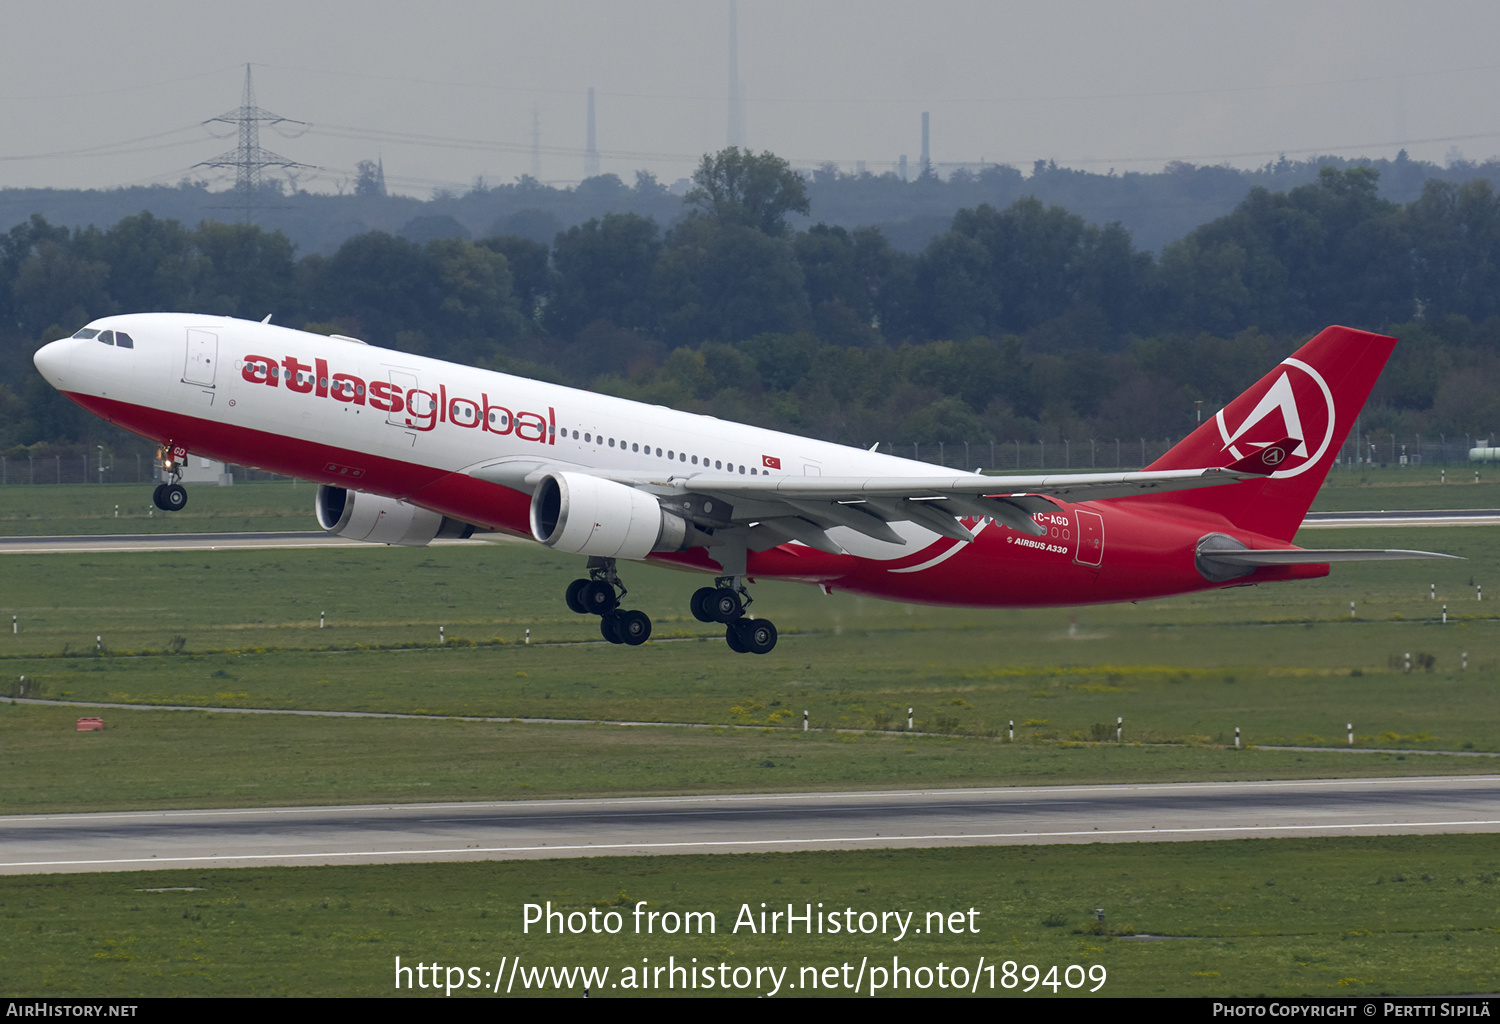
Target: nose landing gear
{"points": [[170, 496], [598, 595]]}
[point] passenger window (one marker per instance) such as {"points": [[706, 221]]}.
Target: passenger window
{"points": [[123, 340]]}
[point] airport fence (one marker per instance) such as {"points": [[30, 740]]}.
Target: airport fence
{"points": [[993, 456], [92, 469]]}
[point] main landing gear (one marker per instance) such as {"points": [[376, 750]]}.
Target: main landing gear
{"points": [[600, 595], [726, 602], [170, 496]]}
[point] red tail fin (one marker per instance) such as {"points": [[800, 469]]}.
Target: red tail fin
{"points": [[1312, 398]]}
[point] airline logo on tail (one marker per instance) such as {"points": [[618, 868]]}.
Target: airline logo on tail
{"points": [[1297, 405]]}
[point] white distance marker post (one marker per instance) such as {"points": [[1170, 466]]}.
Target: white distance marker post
{"points": [[1350, 727]]}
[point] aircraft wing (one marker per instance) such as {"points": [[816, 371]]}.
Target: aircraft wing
{"points": [[785, 507], [869, 504]]}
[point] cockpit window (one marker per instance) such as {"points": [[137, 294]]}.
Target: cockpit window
{"points": [[106, 338], [123, 340], [87, 332]]}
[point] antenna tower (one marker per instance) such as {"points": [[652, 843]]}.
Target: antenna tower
{"points": [[736, 100], [248, 159], [536, 142], [591, 154]]}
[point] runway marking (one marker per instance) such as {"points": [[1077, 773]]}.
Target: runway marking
{"points": [[731, 798], [864, 796], [706, 844]]}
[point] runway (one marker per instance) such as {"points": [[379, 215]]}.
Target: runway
{"points": [[318, 539], [1403, 517], [129, 841], [76, 544]]}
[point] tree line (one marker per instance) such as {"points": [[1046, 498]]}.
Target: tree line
{"points": [[1016, 323]]}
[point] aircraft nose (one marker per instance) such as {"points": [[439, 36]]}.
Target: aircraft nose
{"points": [[52, 360]]}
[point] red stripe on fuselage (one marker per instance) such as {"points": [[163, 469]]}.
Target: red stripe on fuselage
{"points": [[453, 494]]}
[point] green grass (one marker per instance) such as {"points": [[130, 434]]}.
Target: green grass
{"points": [[280, 760], [1415, 487], [1283, 663], [1324, 917], [45, 510]]}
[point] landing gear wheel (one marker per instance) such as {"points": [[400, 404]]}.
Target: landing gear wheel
{"points": [[157, 499], [609, 628], [734, 637], [633, 627], [725, 606], [758, 635], [173, 497], [598, 597], [702, 603], [575, 596]]}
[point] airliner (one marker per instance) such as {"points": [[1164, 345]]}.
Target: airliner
{"points": [[406, 449]]}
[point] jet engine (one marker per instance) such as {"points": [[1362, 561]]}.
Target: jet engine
{"points": [[588, 515], [380, 520]]}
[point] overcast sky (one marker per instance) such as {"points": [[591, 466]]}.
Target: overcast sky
{"points": [[1095, 85]]}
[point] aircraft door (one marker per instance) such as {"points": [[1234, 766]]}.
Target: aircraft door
{"points": [[202, 355], [1090, 549], [403, 384]]}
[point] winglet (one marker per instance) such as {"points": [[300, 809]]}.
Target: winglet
{"points": [[1267, 460]]}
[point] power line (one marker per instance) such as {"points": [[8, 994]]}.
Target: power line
{"points": [[248, 158]]}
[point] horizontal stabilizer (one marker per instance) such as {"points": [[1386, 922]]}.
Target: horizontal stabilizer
{"points": [[1299, 556]]}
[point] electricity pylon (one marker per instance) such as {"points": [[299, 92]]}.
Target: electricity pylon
{"points": [[248, 158]]}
